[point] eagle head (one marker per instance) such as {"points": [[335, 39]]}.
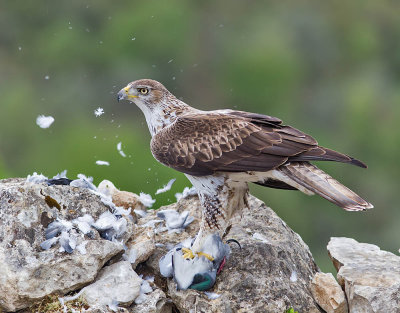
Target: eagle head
{"points": [[144, 92]]}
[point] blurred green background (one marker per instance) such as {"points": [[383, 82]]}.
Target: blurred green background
{"points": [[329, 69]]}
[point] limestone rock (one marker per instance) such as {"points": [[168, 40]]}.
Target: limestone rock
{"points": [[156, 302], [140, 246], [27, 272], [116, 283], [328, 294], [271, 273], [369, 275]]}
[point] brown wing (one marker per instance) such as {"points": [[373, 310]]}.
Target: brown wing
{"points": [[201, 144]]}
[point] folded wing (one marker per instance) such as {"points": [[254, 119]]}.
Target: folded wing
{"points": [[235, 141]]}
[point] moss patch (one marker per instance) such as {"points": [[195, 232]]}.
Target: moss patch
{"points": [[51, 304]]}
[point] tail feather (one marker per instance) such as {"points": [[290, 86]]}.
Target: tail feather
{"points": [[324, 154], [317, 181]]}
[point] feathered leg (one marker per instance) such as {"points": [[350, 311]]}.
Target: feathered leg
{"points": [[220, 197]]}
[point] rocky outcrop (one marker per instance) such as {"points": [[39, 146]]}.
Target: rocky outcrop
{"points": [[27, 272], [140, 246], [117, 283], [271, 273], [369, 275], [328, 293]]}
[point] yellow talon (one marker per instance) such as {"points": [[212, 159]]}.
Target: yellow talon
{"points": [[188, 254]]}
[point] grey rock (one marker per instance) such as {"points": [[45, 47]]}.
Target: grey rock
{"points": [[116, 284], [328, 293], [271, 273], [140, 246], [27, 272], [369, 275], [156, 302]]}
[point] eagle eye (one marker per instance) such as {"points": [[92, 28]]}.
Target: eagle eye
{"points": [[143, 91]]}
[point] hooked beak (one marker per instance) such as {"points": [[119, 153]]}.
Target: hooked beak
{"points": [[123, 94]]}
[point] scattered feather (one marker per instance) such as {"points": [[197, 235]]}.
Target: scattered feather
{"points": [[47, 244], [57, 227], [84, 223], [63, 174], [187, 192], [293, 276], [141, 298], [67, 242], [145, 287], [149, 279], [110, 227], [99, 162], [70, 298], [113, 306], [106, 220], [120, 149], [120, 211], [36, 178], [260, 237], [151, 223], [130, 255], [82, 247], [84, 182], [140, 213], [146, 199], [212, 295], [99, 111], [166, 187], [44, 121], [65, 308], [174, 220]]}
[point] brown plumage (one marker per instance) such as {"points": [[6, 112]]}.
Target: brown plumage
{"points": [[202, 144]]}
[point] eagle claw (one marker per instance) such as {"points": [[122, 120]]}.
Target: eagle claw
{"points": [[188, 254]]}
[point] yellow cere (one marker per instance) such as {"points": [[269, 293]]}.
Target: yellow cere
{"points": [[126, 89]]}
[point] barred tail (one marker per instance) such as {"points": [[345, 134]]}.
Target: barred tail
{"points": [[317, 181]]}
